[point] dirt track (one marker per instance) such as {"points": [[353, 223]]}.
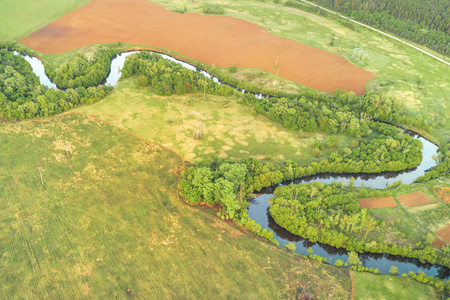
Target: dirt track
{"points": [[222, 41], [380, 202]]}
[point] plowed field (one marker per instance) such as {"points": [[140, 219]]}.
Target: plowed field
{"points": [[379, 202], [414, 199], [222, 41], [438, 243], [444, 233]]}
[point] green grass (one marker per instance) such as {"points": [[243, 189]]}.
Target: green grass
{"points": [[410, 225], [19, 18], [108, 219], [371, 287], [397, 67], [230, 130]]}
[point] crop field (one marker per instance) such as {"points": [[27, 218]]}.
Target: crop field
{"points": [[146, 23], [229, 130], [414, 199], [444, 234], [104, 220], [379, 202], [412, 224]]}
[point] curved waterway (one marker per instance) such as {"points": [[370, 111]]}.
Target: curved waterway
{"points": [[259, 206], [259, 211]]}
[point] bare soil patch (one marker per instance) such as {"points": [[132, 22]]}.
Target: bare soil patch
{"points": [[444, 233], [438, 243], [414, 199], [379, 202], [213, 40]]}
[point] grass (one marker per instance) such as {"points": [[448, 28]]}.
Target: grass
{"points": [[410, 225], [107, 223], [20, 18], [371, 287], [229, 129], [422, 82]]}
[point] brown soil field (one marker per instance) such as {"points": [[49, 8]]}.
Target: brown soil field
{"points": [[438, 243], [444, 233], [414, 199], [213, 40], [379, 202]]}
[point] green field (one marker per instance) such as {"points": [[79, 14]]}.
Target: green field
{"points": [[411, 225], [19, 18], [89, 210], [107, 218], [390, 287], [229, 129]]}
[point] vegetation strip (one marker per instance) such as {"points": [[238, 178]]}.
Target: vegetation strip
{"points": [[379, 31]]}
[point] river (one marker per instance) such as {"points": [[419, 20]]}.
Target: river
{"points": [[259, 206]]}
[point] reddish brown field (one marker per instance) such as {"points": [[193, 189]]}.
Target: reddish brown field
{"points": [[380, 202], [444, 233], [213, 40], [438, 243], [414, 199]]}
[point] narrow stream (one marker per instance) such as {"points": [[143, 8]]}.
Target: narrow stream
{"points": [[259, 206]]}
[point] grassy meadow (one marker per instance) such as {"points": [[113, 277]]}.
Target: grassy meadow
{"points": [[410, 225], [20, 18], [105, 221], [390, 288], [229, 129]]}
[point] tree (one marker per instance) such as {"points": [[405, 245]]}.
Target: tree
{"points": [[142, 80], [353, 258], [393, 270]]}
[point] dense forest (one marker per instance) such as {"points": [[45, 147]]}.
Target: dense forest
{"points": [[426, 22], [21, 95]]}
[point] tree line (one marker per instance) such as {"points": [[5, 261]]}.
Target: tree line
{"points": [[324, 213], [22, 97], [168, 78], [330, 214], [87, 69], [426, 22]]}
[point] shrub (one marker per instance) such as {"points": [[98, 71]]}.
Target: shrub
{"points": [[142, 80]]}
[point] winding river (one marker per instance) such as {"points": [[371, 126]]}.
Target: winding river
{"points": [[259, 205]]}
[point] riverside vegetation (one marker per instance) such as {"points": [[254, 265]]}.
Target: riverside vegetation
{"points": [[229, 182]]}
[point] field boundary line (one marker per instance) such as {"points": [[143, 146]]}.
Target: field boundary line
{"points": [[379, 31], [353, 285]]}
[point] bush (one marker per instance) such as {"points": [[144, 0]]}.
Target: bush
{"points": [[393, 270], [209, 9], [142, 80], [232, 69]]}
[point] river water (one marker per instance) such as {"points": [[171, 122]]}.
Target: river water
{"points": [[259, 206]]}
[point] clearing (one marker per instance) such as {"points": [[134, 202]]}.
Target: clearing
{"points": [[229, 129]]}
